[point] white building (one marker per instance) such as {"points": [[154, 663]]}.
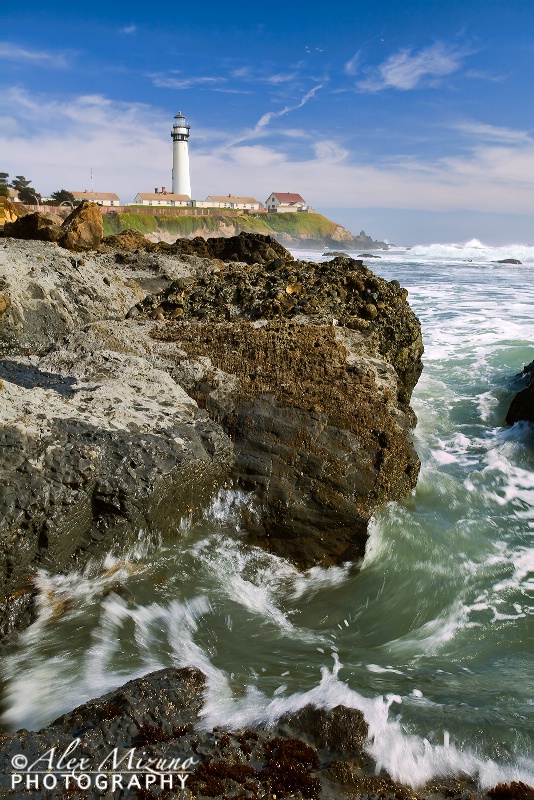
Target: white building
{"points": [[162, 198], [229, 201], [102, 198], [181, 180], [286, 201]]}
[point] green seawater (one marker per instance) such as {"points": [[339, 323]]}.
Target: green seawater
{"points": [[431, 636]]}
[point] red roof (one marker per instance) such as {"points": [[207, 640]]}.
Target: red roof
{"points": [[288, 197]]}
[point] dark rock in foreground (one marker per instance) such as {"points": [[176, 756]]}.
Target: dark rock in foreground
{"points": [[311, 753], [248, 248], [522, 406]]}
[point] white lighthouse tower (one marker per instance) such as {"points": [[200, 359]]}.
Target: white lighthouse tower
{"points": [[181, 182]]}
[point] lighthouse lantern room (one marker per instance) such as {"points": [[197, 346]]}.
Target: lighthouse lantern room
{"points": [[181, 181]]}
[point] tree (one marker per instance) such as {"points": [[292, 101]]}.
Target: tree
{"points": [[29, 196], [3, 178], [62, 196], [19, 182], [4, 191]]}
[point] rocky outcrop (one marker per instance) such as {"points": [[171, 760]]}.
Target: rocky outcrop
{"points": [[153, 723], [522, 406], [136, 381], [98, 445], [248, 248], [310, 369], [342, 239], [82, 230]]}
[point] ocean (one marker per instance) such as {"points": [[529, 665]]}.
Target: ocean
{"points": [[431, 637]]}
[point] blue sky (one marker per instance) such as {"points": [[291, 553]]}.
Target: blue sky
{"points": [[412, 119]]}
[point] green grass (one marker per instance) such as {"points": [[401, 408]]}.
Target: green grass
{"points": [[298, 225]]}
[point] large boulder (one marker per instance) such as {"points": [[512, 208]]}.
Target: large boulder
{"points": [[44, 227], [310, 369], [522, 406], [83, 228]]}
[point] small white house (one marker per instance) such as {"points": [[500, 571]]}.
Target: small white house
{"points": [[163, 198], [230, 201], [286, 201], [102, 198]]}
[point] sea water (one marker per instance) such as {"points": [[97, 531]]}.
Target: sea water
{"points": [[431, 637]]}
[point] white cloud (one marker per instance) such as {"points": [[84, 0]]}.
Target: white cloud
{"points": [[128, 29], [56, 143], [13, 52], [406, 70]]}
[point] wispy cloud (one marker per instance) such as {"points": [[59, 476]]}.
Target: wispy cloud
{"points": [[13, 52], [492, 133], [407, 70], [163, 82], [128, 29], [281, 78], [352, 65], [264, 121]]}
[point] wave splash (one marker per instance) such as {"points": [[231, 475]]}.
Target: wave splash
{"points": [[474, 250]]}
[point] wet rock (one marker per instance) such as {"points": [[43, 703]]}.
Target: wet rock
{"points": [[313, 753], [522, 406], [83, 228], [507, 261]]}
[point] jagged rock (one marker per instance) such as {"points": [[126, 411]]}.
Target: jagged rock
{"points": [[128, 240], [522, 406], [83, 228], [507, 261], [40, 226]]}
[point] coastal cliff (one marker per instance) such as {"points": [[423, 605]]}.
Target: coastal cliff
{"points": [[298, 230]]}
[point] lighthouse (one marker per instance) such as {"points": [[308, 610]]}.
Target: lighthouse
{"points": [[181, 182]]}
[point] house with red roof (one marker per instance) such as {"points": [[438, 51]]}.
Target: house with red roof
{"points": [[286, 201]]}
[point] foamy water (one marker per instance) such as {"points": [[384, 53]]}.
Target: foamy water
{"points": [[430, 640]]}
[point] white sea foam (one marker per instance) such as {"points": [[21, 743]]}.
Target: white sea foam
{"points": [[408, 758], [474, 250]]}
